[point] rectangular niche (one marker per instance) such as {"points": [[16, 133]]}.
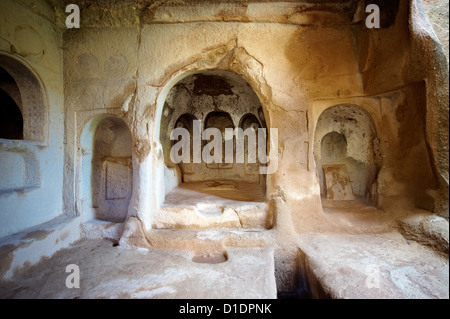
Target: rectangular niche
{"points": [[117, 180], [337, 182], [115, 190]]}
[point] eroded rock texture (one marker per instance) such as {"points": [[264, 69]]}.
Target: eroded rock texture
{"points": [[353, 154]]}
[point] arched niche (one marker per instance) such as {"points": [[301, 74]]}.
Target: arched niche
{"points": [[333, 147], [346, 154], [23, 117], [186, 121], [23, 86], [221, 121], [112, 172], [106, 169], [251, 122]]}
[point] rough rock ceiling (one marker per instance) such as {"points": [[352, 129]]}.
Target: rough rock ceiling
{"points": [[145, 8], [117, 4], [113, 3]]}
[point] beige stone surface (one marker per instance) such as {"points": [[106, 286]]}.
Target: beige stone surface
{"points": [[437, 12], [374, 100], [337, 182], [381, 266], [430, 230], [111, 272]]}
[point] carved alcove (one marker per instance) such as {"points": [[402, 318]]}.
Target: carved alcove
{"points": [[112, 173], [23, 124], [207, 105], [344, 152]]}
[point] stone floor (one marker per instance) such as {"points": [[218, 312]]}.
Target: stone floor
{"points": [[107, 271], [355, 251], [221, 192], [214, 204]]}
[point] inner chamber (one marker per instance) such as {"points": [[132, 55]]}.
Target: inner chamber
{"points": [[221, 100]]}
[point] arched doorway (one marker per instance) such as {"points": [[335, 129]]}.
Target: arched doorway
{"points": [[220, 186], [220, 100]]}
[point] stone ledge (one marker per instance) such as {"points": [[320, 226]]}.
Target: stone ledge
{"points": [[383, 266], [26, 248], [427, 229]]}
